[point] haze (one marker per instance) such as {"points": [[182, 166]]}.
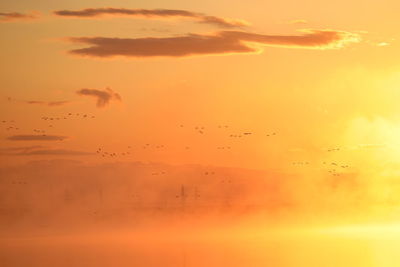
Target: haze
{"points": [[229, 133]]}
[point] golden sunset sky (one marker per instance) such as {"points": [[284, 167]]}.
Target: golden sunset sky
{"points": [[307, 90], [316, 93]]}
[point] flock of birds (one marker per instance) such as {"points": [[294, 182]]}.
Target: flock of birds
{"points": [[331, 168], [69, 115], [335, 169], [66, 117], [10, 124], [103, 153]]}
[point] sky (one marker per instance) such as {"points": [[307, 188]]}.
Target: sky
{"points": [[305, 70], [301, 96]]}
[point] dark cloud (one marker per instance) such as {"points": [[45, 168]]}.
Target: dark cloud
{"points": [[152, 13], [48, 103], [39, 137], [103, 96], [16, 16], [220, 43]]}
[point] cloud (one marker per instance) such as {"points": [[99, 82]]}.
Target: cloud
{"points": [[16, 16], [219, 43], [48, 103], [43, 103], [40, 150], [54, 152], [7, 150], [36, 137], [152, 13], [103, 96]]}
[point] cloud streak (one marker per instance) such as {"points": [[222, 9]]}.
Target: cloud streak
{"points": [[152, 13], [40, 150], [18, 149], [16, 16], [54, 152], [29, 137], [220, 43], [103, 96], [48, 103], [42, 103]]}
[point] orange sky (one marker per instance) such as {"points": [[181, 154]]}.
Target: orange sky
{"points": [[304, 91], [303, 77], [310, 94], [314, 82]]}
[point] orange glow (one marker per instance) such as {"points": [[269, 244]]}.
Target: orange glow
{"points": [[170, 133]]}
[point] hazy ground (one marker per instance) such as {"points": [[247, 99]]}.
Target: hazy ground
{"points": [[63, 213], [199, 247]]}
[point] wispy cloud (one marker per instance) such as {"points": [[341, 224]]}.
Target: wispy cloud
{"points": [[5, 150], [48, 103], [16, 16], [38, 137], [219, 43], [40, 150], [103, 96], [55, 152], [42, 103], [152, 13]]}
